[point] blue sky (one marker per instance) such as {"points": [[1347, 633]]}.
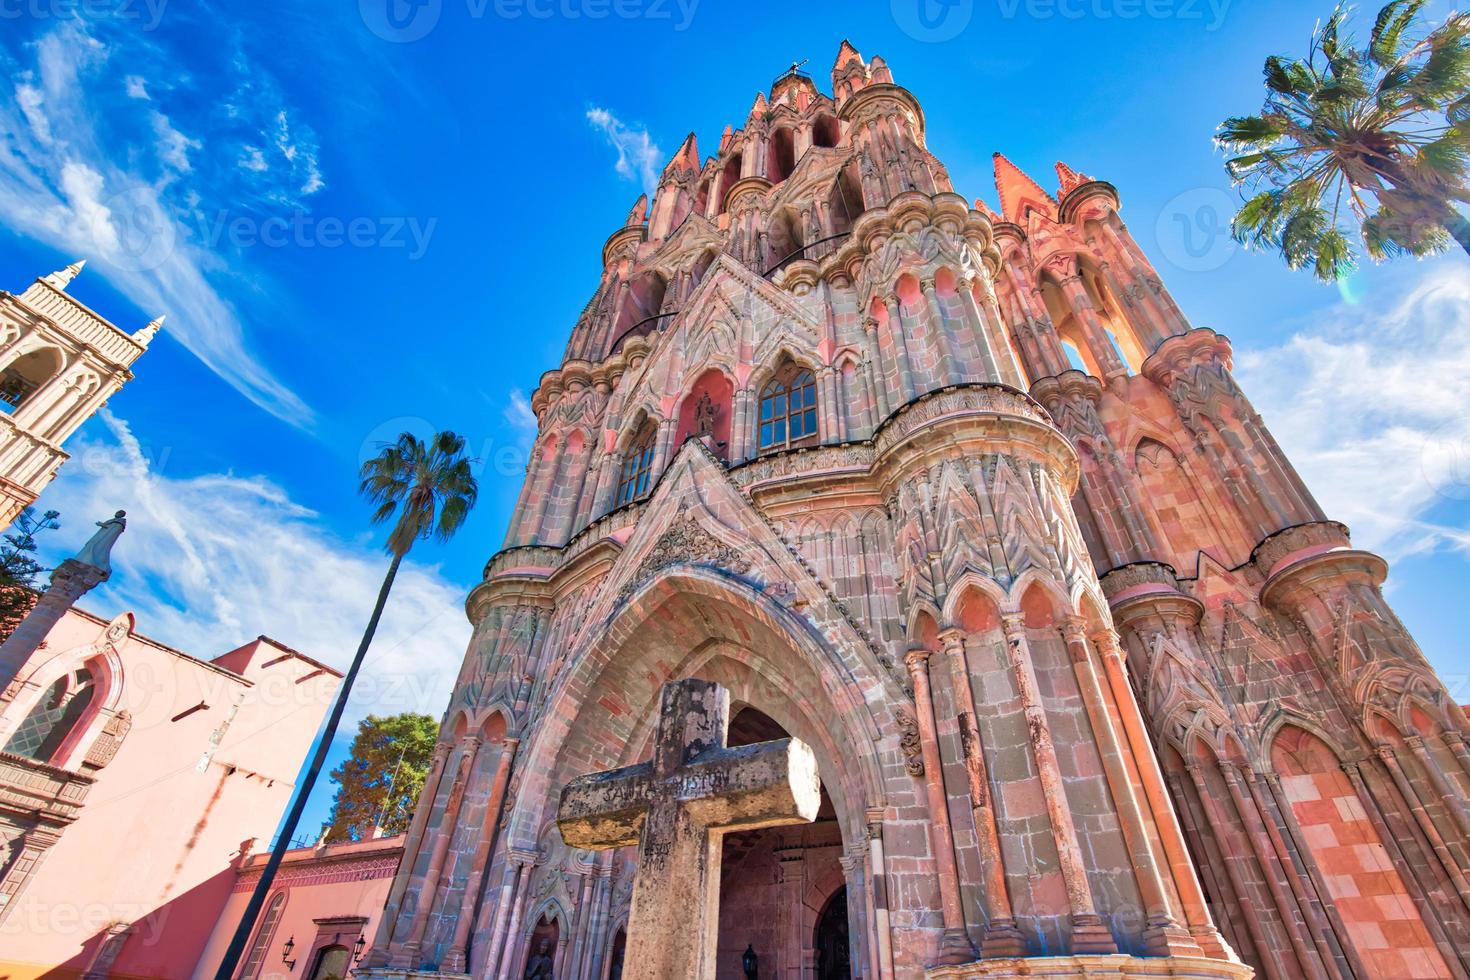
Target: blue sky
{"points": [[358, 223]]}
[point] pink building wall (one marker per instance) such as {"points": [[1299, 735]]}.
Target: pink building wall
{"points": [[332, 895], [127, 848]]}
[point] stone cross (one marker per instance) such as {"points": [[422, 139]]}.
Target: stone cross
{"points": [[676, 808]]}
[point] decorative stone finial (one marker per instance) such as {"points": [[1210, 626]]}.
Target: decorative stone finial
{"points": [[98, 550], [63, 278], [146, 335]]}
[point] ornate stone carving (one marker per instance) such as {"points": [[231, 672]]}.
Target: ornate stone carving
{"points": [[909, 743]]}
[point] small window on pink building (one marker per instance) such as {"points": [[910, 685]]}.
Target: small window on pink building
{"points": [[41, 734], [637, 466]]}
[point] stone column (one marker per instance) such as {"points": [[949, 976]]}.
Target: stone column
{"points": [[946, 370], [408, 954], [1002, 938], [740, 426], [982, 337], [878, 890], [1455, 742], [380, 954], [1089, 933], [900, 346], [1166, 821], [582, 929], [1451, 798], [70, 581], [454, 961], [1221, 828], [1255, 834], [955, 946], [512, 883], [1428, 911], [791, 878], [859, 916], [877, 377], [1164, 935], [1425, 822]]}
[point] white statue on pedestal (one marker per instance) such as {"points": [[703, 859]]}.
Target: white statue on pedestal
{"points": [[97, 551]]}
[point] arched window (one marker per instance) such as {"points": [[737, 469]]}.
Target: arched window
{"points": [[42, 732], [637, 466], [256, 958], [25, 374], [789, 408]]}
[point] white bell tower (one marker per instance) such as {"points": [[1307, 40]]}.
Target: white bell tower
{"points": [[59, 363]]}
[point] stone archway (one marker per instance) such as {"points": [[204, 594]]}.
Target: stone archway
{"points": [[694, 622]]}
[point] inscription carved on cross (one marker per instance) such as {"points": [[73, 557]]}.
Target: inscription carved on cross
{"points": [[676, 808]]}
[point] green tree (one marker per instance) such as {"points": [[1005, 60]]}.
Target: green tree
{"points": [[426, 489], [378, 784], [1373, 139], [19, 569]]}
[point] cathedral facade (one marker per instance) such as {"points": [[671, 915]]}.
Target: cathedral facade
{"points": [[962, 500]]}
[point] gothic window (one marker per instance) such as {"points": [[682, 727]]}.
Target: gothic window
{"points": [[41, 733], [25, 375], [637, 466], [789, 409], [256, 957]]}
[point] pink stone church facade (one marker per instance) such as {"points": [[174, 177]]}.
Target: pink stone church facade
{"points": [[960, 498]]}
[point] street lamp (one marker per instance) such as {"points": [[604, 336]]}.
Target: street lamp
{"points": [[358, 948], [286, 953]]}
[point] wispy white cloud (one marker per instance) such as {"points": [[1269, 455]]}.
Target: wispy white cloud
{"points": [[1372, 404], [639, 157], [211, 561], [518, 413], [95, 167]]}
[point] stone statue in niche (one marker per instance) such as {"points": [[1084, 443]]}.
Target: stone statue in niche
{"points": [[539, 966], [704, 416]]}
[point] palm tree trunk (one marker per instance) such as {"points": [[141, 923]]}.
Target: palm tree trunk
{"points": [[236, 950], [1459, 226]]}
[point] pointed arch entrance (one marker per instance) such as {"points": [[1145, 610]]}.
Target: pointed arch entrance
{"points": [[782, 679]]}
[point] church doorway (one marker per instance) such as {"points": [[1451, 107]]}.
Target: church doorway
{"points": [[833, 960], [772, 881]]}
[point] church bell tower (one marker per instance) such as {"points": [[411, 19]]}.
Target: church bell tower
{"points": [[59, 363]]}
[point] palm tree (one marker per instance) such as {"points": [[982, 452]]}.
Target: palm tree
{"points": [[430, 488], [1377, 137]]}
